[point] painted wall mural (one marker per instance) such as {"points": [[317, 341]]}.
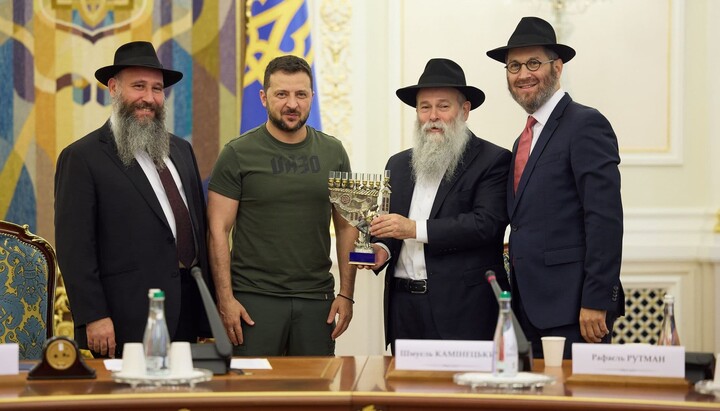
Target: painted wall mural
{"points": [[49, 51]]}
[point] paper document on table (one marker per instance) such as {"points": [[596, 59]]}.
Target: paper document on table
{"points": [[113, 364], [250, 364]]}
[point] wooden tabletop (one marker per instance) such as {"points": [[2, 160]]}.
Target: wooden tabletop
{"points": [[411, 393], [342, 383]]}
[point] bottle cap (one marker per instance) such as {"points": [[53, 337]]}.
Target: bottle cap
{"points": [[505, 295], [156, 293], [668, 298]]}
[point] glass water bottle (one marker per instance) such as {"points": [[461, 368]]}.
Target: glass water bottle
{"points": [[156, 340], [505, 361], [668, 330]]}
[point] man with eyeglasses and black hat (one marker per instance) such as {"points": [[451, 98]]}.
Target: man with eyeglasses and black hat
{"points": [[563, 199], [447, 217], [130, 213]]}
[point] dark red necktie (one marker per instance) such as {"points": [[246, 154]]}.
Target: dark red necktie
{"points": [[183, 226], [523, 151]]}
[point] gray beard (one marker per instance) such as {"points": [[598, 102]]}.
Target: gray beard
{"points": [[438, 155], [547, 88], [135, 136]]}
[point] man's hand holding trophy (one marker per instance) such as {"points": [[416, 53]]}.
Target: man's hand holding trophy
{"points": [[355, 196]]}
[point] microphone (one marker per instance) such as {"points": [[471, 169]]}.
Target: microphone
{"points": [[524, 348], [490, 275], [215, 357]]}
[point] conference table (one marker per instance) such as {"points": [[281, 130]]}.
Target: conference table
{"points": [[365, 383]]}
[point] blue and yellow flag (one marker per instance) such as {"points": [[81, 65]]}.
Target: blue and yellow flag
{"points": [[274, 28]]}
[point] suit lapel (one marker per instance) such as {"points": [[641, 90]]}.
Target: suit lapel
{"points": [[545, 135], [404, 192], [472, 150], [134, 173]]}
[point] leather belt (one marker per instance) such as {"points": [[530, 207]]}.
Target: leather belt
{"points": [[411, 286]]}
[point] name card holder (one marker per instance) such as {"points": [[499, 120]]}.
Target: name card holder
{"points": [[439, 359], [628, 365]]}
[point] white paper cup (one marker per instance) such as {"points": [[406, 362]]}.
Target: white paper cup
{"points": [[180, 358], [133, 359], [553, 348]]}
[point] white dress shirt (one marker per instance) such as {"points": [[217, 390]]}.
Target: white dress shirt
{"points": [[411, 262], [154, 178], [543, 114]]}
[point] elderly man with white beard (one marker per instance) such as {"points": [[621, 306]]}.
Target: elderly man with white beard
{"points": [[447, 217], [130, 213]]}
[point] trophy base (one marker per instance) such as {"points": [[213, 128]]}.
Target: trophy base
{"points": [[362, 258]]}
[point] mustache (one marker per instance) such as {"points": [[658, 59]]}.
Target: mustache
{"points": [[526, 82], [291, 111], [145, 105], [434, 124]]}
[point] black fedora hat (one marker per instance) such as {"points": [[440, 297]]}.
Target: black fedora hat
{"points": [[533, 31], [442, 73], [137, 54]]}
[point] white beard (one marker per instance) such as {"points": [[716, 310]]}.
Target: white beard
{"points": [[438, 155]]}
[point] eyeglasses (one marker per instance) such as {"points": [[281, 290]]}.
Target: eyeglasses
{"points": [[532, 65]]}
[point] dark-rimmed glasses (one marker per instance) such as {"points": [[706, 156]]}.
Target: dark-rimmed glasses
{"points": [[532, 65]]}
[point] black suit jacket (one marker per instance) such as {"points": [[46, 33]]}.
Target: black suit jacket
{"points": [[113, 240], [465, 239], [566, 219]]}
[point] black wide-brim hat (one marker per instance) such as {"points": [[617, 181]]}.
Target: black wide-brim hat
{"points": [[137, 54], [442, 73], [533, 31]]}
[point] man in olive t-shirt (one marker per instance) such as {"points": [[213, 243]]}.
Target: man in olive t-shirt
{"points": [[274, 289]]}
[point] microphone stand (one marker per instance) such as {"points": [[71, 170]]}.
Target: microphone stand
{"points": [[214, 357]]}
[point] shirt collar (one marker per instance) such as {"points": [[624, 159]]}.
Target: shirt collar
{"points": [[543, 113]]}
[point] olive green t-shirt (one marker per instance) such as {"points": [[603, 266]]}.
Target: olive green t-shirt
{"points": [[281, 237]]}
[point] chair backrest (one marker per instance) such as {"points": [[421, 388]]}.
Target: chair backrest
{"points": [[506, 259], [28, 270]]}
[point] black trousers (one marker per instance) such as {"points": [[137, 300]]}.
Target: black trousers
{"points": [[410, 315]]}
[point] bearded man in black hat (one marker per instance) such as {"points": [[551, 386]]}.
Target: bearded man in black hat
{"points": [[447, 217], [563, 199], [130, 213]]}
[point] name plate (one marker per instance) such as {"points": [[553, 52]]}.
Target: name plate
{"points": [[443, 355], [9, 359], [640, 360]]}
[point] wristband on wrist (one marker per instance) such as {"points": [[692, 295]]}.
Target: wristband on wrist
{"points": [[347, 298]]}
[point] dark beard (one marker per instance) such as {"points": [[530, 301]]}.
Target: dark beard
{"points": [[279, 123], [547, 88], [133, 135]]}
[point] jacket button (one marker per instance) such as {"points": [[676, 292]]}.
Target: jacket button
{"points": [[514, 227]]}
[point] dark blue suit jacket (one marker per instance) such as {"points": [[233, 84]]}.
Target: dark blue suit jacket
{"points": [[566, 219], [465, 231], [113, 240]]}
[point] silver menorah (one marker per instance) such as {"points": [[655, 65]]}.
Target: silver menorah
{"points": [[355, 196]]}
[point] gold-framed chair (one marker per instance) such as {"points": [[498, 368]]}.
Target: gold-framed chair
{"points": [[506, 259], [28, 269]]}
